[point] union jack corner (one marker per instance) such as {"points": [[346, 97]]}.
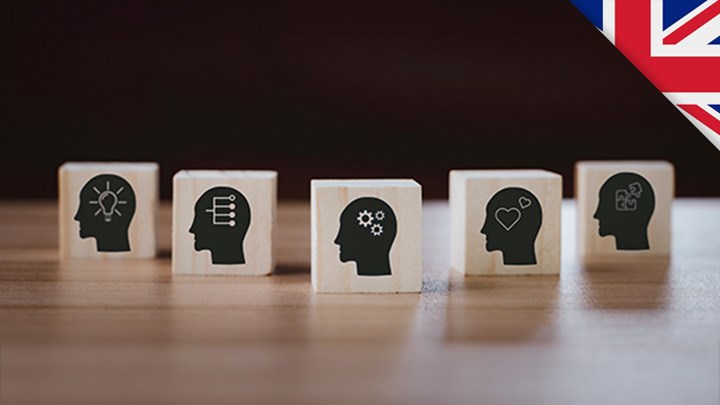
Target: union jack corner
{"points": [[675, 44]]}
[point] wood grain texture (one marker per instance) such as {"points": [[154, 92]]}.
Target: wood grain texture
{"points": [[128, 332], [601, 251], [143, 178], [470, 193], [332, 274], [259, 187]]}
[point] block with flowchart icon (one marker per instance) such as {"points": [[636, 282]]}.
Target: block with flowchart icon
{"points": [[366, 236], [108, 209], [224, 222], [624, 211], [505, 222]]}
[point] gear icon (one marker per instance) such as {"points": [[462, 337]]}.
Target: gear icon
{"points": [[380, 215], [365, 218], [376, 230]]}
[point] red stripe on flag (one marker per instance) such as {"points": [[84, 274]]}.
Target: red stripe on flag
{"points": [[691, 26], [668, 74], [702, 116]]}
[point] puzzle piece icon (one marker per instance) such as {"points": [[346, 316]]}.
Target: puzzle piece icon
{"points": [[635, 189], [624, 201], [621, 197]]}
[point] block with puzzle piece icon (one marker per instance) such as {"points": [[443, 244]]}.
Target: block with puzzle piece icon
{"points": [[623, 212]]}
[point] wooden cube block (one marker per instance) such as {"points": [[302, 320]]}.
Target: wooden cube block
{"points": [[366, 236], [224, 222], [505, 222], [623, 211], [108, 209]]}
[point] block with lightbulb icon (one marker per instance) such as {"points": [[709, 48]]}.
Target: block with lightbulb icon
{"points": [[505, 222], [366, 236], [224, 222], [108, 209]]}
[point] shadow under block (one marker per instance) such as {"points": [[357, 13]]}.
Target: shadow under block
{"points": [[366, 236], [108, 209], [224, 222], [624, 211], [505, 222]]}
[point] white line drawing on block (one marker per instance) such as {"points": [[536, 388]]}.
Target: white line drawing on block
{"points": [[223, 210], [626, 200], [506, 218], [108, 201]]}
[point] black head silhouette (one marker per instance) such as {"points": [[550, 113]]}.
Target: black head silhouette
{"points": [[513, 217], [626, 204], [222, 219], [367, 231], [107, 206]]}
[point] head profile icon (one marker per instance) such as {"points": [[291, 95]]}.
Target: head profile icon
{"points": [[222, 219], [626, 202], [512, 222], [106, 208], [368, 227]]}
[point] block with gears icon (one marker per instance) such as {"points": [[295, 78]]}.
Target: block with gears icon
{"points": [[108, 209], [505, 222], [623, 212], [366, 236], [224, 222]]}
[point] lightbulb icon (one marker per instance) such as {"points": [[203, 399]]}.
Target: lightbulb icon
{"points": [[108, 201]]}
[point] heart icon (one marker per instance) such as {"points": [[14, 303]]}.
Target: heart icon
{"points": [[524, 202], [507, 217]]}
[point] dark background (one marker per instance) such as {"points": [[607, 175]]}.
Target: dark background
{"points": [[327, 89]]}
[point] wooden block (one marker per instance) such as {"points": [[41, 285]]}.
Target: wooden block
{"points": [[224, 222], [108, 210], [366, 236], [623, 211], [505, 222]]}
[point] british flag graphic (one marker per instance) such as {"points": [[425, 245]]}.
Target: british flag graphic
{"points": [[675, 44]]}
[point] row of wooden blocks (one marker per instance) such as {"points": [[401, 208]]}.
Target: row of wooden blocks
{"points": [[366, 235]]}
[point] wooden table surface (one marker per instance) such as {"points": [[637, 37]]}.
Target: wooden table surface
{"points": [[130, 332]]}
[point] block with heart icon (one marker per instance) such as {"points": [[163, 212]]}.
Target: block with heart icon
{"points": [[224, 222], [505, 222], [366, 236], [624, 212], [108, 209]]}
